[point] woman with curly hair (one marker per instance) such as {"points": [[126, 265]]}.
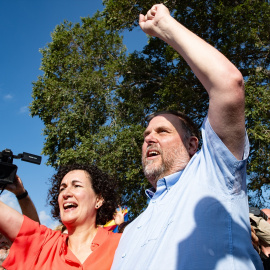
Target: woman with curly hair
{"points": [[82, 197]]}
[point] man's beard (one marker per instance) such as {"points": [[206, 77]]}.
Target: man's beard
{"points": [[174, 161], [153, 172]]}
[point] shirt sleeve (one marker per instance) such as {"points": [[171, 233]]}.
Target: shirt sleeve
{"points": [[29, 240], [229, 172]]}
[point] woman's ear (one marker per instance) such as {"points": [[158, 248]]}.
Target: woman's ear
{"points": [[99, 202]]}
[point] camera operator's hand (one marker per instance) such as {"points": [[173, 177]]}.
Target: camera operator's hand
{"points": [[16, 187], [25, 202], [255, 239]]}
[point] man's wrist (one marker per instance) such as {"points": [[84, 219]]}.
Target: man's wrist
{"points": [[22, 195]]}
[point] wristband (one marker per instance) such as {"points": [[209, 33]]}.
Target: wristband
{"points": [[22, 196]]}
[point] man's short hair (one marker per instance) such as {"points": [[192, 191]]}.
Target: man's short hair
{"points": [[187, 124]]}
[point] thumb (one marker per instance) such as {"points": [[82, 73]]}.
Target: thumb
{"points": [[141, 20]]}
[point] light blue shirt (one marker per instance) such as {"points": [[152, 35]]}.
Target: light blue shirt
{"points": [[196, 219]]}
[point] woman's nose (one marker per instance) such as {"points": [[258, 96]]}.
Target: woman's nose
{"points": [[66, 193]]}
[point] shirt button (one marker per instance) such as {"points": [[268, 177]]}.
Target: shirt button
{"points": [[138, 227], [124, 255]]}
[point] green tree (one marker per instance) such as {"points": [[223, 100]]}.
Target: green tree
{"points": [[75, 95], [158, 78], [93, 98], [258, 115], [76, 99]]}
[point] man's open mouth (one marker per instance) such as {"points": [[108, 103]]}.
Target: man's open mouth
{"points": [[152, 153]]}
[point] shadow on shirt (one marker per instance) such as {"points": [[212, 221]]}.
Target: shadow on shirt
{"points": [[216, 237]]}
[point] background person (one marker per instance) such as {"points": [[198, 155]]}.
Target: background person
{"points": [[197, 217], [265, 241], [261, 226], [121, 219], [5, 245], [82, 196], [260, 235]]}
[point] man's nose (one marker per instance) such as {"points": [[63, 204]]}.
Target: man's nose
{"points": [[150, 138]]}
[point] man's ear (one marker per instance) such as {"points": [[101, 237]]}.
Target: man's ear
{"points": [[193, 143]]}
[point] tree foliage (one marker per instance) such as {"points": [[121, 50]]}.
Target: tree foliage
{"points": [[159, 78], [258, 115], [76, 99], [93, 98], [75, 95]]}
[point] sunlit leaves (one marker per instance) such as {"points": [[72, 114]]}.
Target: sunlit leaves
{"points": [[93, 98]]}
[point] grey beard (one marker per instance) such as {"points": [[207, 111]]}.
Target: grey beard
{"points": [[153, 174], [174, 162]]}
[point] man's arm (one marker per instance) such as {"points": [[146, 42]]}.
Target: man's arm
{"points": [[27, 206], [221, 79]]}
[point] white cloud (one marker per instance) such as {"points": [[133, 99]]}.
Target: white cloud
{"points": [[23, 109], [6, 97], [46, 220], [10, 200]]}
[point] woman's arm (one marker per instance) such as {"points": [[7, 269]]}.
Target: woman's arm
{"points": [[10, 221]]}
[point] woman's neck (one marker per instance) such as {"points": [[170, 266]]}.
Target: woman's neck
{"points": [[80, 240]]}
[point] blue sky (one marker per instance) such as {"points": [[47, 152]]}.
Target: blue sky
{"points": [[26, 27]]}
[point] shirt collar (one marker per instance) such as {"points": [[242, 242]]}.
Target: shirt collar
{"points": [[63, 249], [99, 238], [163, 184]]}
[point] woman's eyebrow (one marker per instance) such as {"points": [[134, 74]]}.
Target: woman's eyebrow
{"points": [[76, 181], [72, 182]]}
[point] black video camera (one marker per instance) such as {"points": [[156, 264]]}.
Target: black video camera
{"points": [[8, 170]]}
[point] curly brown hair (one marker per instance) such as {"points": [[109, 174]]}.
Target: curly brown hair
{"points": [[102, 184]]}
